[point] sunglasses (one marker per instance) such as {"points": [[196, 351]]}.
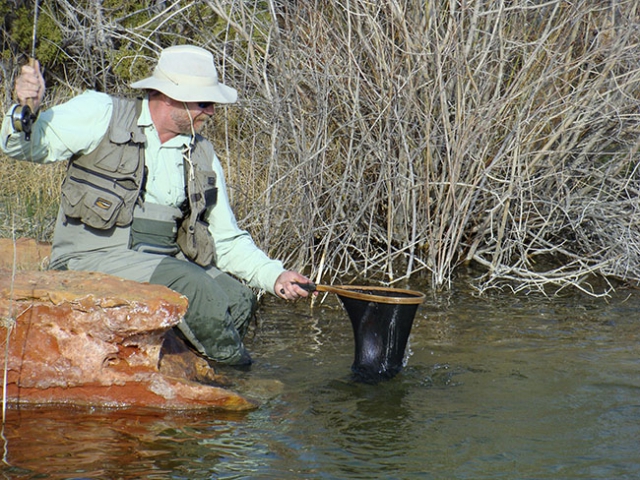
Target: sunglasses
{"points": [[204, 105]]}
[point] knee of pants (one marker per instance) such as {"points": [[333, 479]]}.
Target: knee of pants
{"points": [[209, 296], [241, 300]]}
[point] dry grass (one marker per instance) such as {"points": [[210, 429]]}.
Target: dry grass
{"points": [[29, 199], [390, 140]]}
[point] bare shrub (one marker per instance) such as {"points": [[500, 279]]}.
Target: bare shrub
{"points": [[392, 140]]}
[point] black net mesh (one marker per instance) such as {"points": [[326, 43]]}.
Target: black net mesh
{"points": [[381, 331]]}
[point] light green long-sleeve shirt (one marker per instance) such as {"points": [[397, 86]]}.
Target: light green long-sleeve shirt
{"points": [[77, 127]]}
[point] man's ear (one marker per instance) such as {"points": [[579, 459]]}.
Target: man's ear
{"points": [[168, 100]]}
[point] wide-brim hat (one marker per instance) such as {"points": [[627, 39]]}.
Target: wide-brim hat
{"points": [[187, 73]]}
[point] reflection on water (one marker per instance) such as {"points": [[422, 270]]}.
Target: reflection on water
{"points": [[494, 387]]}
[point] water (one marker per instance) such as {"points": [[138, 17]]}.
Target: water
{"points": [[495, 387]]}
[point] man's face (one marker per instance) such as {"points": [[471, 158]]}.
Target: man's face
{"points": [[184, 113]]}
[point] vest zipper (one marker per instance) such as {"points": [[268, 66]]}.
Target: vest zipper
{"points": [[97, 187], [104, 176]]}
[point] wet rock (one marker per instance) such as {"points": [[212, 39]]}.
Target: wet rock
{"points": [[93, 339], [180, 361]]}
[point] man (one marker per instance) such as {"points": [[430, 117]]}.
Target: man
{"points": [[144, 197]]}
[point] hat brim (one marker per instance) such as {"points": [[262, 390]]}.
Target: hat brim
{"points": [[218, 93]]}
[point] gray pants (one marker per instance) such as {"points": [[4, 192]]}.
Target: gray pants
{"points": [[220, 307]]}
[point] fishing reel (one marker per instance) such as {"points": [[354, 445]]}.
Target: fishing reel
{"points": [[22, 118]]}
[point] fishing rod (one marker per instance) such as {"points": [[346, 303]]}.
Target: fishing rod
{"points": [[28, 115]]}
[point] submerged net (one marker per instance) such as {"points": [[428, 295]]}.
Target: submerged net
{"points": [[381, 319]]}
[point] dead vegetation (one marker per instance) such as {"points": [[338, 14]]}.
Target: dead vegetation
{"points": [[394, 140]]}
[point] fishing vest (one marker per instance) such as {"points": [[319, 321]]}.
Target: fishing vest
{"points": [[102, 188]]}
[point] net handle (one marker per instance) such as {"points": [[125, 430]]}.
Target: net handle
{"points": [[405, 297]]}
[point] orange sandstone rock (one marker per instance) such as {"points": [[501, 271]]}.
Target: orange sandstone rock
{"points": [[27, 254], [93, 339]]}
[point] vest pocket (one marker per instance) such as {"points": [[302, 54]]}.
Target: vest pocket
{"points": [[95, 206], [195, 242], [154, 236], [115, 162]]}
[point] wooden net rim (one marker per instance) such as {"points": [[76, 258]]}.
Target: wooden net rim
{"points": [[398, 296]]}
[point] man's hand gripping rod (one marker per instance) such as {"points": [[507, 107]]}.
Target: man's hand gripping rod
{"points": [[27, 114]]}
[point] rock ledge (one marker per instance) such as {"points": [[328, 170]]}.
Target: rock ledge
{"points": [[92, 339]]}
